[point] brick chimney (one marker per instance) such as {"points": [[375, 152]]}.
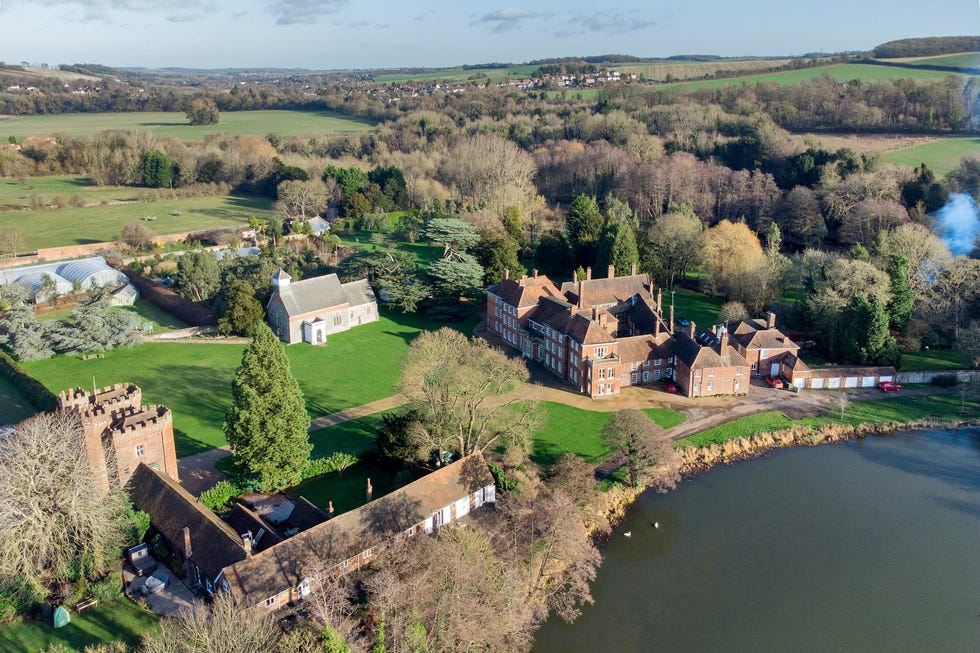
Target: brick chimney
{"points": [[660, 300], [611, 273], [771, 320], [370, 491], [588, 274], [724, 340], [535, 273], [506, 274], [595, 313], [632, 269], [581, 301], [188, 552], [691, 329], [671, 322]]}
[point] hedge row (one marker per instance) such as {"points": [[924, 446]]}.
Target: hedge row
{"points": [[193, 313], [33, 390]]}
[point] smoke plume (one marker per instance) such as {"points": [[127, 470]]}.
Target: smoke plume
{"points": [[959, 221]]}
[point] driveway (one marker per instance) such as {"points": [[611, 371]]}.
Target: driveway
{"points": [[198, 472]]}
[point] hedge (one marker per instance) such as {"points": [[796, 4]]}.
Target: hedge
{"points": [[33, 390], [193, 313]]}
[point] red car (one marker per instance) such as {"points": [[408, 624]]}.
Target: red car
{"points": [[889, 386], [774, 382], [671, 387]]}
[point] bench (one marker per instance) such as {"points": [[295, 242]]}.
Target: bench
{"points": [[86, 604]]}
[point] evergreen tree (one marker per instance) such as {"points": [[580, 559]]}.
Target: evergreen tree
{"points": [[553, 253], [267, 422], [900, 306], [158, 169], [497, 253], [243, 311], [617, 247], [198, 275], [584, 228]]}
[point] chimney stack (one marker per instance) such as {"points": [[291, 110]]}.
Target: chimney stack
{"points": [[588, 274], [671, 323], [771, 321], [581, 301], [329, 509], [691, 329], [724, 341], [611, 274], [188, 552], [506, 274], [247, 542], [535, 273], [632, 269], [370, 491], [660, 299]]}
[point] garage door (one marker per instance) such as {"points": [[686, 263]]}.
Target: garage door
{"points": [[816, 384], [886, 378], [851, 382], [867, 381], [834, 382]]}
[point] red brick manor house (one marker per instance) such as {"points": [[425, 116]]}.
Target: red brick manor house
{"points": [[600, 335]]}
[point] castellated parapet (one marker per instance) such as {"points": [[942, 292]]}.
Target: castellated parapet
{"points": [[117, 425]]}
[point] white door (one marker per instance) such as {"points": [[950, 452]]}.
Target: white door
{"points": [[886, 378], [462, 507], [816, 384], [851, 382], [867, 381], [834, 382], [774, 370]]}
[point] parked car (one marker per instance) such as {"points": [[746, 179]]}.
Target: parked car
{"points": [[889, 386], [774, 382], [671, 387]]}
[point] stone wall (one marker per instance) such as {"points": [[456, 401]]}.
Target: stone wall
{"points": [[47, 254], [962, 376]]}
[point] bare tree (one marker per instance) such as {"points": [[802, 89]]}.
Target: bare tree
{"points": [[649, 457], [137, 235], [301, 198], [223, 627], [841, 402], [12, 241], [56, 518], [457, 384]]}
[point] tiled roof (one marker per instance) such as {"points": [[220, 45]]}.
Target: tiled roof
{"points": [[526, 292], [695, 355], [321, 293], [602, 292], [214, 544], [285, 565], [641, 348], [755, 334]]}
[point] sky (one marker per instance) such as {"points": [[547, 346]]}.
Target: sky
{"points": [[355, 34]]}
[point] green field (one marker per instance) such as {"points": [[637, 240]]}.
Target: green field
{"points": [[119, 620], [16, 195], [13, 406], [347, 491], [874, 411], [174, 123], [194, 380], [98, 224], [841, 72], [658, 70], [941, 155], [458, 75], [963, 60]]}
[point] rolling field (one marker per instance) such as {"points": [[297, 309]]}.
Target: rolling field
{"points": [[658, 71], [941, 155], [962, 60], [260, 123], [841, 72], [458, 75], [16, 195], [95, 224]]}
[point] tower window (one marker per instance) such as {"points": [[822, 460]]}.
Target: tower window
{"points": [[140, 450]]}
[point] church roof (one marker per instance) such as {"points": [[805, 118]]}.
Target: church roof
{"points": [[321, 293]]}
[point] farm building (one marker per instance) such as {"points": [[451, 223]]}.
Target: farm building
{"points": [[311, 309], [50, 280]]}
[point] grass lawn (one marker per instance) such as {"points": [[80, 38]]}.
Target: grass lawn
{"points": [[13, 406], [696, 306], [119, 620], [354, 437], [935, 359], [361, 240], [941, 155], [96, 224], [871, 411], [841, 72], [348, 491], [174, 123], [194, 380], [14, 194], [567, 429]]}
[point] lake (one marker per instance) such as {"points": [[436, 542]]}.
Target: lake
{"points": [[869, 545]]}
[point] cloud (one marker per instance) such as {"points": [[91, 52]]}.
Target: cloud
{"points": [[109, 10], [291, 12], [504, 20], [606, 22]]}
